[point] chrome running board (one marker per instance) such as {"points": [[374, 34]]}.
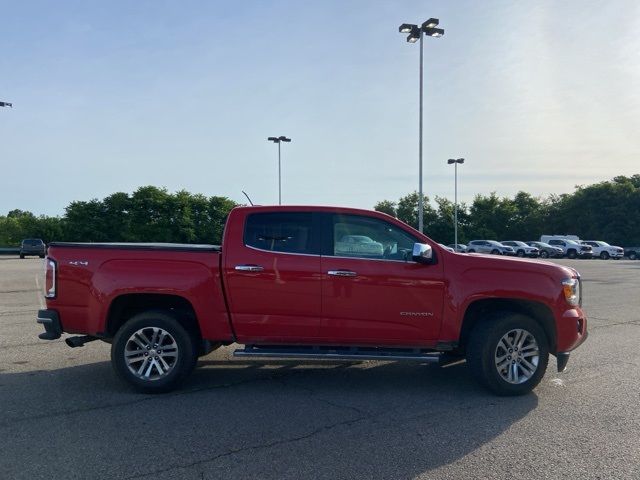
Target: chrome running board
{"points": [[353, 354]]}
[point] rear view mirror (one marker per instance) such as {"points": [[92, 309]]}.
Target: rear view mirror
{"points": [[422, 253]]}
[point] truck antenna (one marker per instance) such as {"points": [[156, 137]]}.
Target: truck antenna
{"points": [[245, 194]]}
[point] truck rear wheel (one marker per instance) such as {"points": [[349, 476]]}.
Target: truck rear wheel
{"points": [[508, 353], [153, 352]]}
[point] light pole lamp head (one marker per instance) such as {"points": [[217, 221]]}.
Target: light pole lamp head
{"points": [[455, 160], [406, 27], [414, 35], [433, 32], [273, 139], [6, 104], [282, 138], [432, 22]]}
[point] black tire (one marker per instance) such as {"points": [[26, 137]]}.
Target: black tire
{"points": [[22, 256], [521, 253], [183, 343], [471, 250], [41, 256], [633, 255], [572, 254], [495, 251], [604, 255], [544, 254], [483, 347]]}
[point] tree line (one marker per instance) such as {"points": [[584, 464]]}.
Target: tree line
{"points": [[607, 211], [150, 214]]}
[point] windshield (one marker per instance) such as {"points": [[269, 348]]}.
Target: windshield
{"points": [[32, 242]]}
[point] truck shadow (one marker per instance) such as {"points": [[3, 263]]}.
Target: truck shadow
{"points": [[282, 419]]}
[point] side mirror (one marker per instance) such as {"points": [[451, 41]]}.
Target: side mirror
{"points": [[422, 253]]}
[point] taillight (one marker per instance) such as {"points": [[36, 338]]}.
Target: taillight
{"points": [[50, 278]]}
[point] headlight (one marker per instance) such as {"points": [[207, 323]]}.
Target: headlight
{"points": [[571, 289]]}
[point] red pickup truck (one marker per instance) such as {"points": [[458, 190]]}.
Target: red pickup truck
{"points": [[313, 283]]}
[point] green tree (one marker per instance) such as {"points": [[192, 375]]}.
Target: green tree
{"points": [[386, 206]]}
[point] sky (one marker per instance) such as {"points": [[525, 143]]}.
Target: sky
{"points": [[110, 96]]}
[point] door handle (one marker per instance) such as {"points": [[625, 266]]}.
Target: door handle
{"points": [[342, 273], [249, 268]]}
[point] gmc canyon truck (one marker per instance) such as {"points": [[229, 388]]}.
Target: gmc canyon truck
{"points": [[313, 283]]}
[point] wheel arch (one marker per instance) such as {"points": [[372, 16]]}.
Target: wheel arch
{"points": [[125, 306], [484, 308]]}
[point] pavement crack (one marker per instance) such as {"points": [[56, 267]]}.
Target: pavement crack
{"points": [[261, 446], [17, 312], [315, 396], [63, 413], [617, 324], [32, 344]]}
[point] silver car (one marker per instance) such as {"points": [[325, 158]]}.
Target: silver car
{"points": [[522, 249], [489, 246]]}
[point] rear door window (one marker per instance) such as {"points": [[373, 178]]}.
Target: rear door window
{"points": [[285, 232]]}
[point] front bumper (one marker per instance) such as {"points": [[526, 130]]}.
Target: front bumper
{"points": [[51, 323], [572, 331], [563, 357]]}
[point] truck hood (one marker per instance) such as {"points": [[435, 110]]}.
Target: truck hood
{"points": [[493, 262]]}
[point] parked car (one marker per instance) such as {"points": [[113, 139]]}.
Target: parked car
{"points": [[489, 246], [572, 248], [522, 249], [278, 287], [357, 245], [460, 247], [547, 250], [546, 238], [632, 252], [32, 246], [447, 248], [604, 250]]}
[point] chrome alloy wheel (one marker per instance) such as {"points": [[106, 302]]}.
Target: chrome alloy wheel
{"points": [[151, 353], [517, 356]]}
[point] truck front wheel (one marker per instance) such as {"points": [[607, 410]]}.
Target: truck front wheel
{"points": [[153, 352], [508, 354]]}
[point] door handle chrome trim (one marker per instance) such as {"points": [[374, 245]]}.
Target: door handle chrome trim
{"points": [[342, 273], [249, 268]]}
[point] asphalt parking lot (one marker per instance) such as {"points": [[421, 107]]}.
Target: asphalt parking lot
{"points": [[64, 414]]}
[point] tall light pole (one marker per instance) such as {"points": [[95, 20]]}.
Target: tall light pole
{"points": [[416, 33], [455, 162], [279, 140]]}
